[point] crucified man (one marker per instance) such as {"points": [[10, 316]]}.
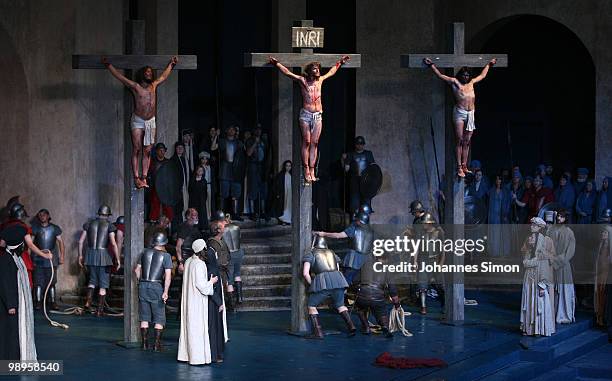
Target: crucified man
{"points": [[144, 90], [463, 113], [311, 114]]}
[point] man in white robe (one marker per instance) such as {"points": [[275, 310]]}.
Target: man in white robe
{"points": [[537, 310], [194, 344]]}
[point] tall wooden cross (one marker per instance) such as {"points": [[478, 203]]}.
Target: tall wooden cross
{"points": [[133, 198], [454, 190], [304, 39]]}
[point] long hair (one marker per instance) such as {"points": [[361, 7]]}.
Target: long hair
{"points": [[308, 69], [464, 69], [283, 167], [139, 76]]}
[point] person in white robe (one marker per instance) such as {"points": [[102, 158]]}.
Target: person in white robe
{"points": [[194, 344], [565, 247], [537, 310]]}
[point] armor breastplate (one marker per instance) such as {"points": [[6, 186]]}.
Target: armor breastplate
{"points": [[360, 162], [152, 263], [362, 242], [231, 147], [324, 261], [97, 234], [231, 236], [45, 238]]}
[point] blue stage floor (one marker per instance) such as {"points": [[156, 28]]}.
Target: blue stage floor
{"points": [[261, 350]]}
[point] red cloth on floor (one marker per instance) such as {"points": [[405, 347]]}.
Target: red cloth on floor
{"points": [[385, 359]]}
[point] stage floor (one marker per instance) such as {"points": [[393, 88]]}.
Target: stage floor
{"points": [[260, 349]]}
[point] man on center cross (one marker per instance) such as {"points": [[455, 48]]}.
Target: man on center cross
{"points": [[311, 114], [463, 113]]}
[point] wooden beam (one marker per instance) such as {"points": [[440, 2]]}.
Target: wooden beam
{"points": [[452, 60], [299, 59], [133, 62]]}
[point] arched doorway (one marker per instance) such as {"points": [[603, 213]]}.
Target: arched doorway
{"points": [[542, 108], [14, 126]]}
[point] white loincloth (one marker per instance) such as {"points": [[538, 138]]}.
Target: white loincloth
{"points": [[148, 126], [466, 116]]}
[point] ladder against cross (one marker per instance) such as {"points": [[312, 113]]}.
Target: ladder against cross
{"points": [[133, 198], [305, 38], [454, 208]]}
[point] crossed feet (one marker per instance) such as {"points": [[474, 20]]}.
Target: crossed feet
{"points": [[141, 182], [309, 174], [463, 170]]}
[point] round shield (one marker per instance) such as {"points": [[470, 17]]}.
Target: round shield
{"points": [[371, 181], [168, 181], [550, 207], [474, 210]]}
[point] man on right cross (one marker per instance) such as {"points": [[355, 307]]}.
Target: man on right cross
{"points": [[463, 113]]}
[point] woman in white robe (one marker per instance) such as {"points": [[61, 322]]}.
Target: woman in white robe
{"points": [[537, 303], [194, 344]]}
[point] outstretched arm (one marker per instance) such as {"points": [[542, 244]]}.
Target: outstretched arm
{"points": [[122, 78], [445, 78], [166, 71], [284, 70], [335, 68], [338, 235], [484, 71]]}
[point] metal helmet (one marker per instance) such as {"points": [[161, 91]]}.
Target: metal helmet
{"points": [[365, 208], [159, 239], [104, 210], [362, 217], [416, 206], [607, 213], [319, 242], [18, 211], [217, 216], [120, 220], [428, 219], [550, 216]]}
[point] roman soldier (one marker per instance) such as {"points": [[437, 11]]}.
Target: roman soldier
{"points": [[231, 237], [428, 280], [47, 236]]}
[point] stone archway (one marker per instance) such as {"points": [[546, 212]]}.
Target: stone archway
{"points": [[545, 99], [14, 119]]}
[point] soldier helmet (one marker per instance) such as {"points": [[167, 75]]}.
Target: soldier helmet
{"points": [[607, 213], [416, 206], [319, 242], [217, 216], [120, 220], [428, 219], [362, 217], [360, 140], [550, 216], [44, 211], [18, 211], [104, 210], [159, 239], [365, 208]]}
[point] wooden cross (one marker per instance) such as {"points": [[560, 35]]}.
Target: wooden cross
{"points": [[133, 198], [304, 39], [454, 190]]}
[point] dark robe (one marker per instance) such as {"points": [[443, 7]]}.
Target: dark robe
{"points": [[215, 318], [585, 204], [277, 197], [567, 198], [198, 193], [9, 293]]}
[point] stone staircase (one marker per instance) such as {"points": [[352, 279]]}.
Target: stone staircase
{"points": [[266, 272]]}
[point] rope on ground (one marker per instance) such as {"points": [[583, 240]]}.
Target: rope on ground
{"points": [[51, 321], [397, 321]]}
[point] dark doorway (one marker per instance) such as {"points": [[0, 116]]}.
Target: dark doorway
{"points": [[221, 91], [542, 108]]}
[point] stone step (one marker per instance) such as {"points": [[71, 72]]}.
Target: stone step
{"points": [[266, 280], [265, 303], [266, 247], [265, 259], [271, 269], [268, 290], [265, 232]]}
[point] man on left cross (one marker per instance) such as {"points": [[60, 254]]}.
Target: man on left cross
{"points": [[144, 90]]}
